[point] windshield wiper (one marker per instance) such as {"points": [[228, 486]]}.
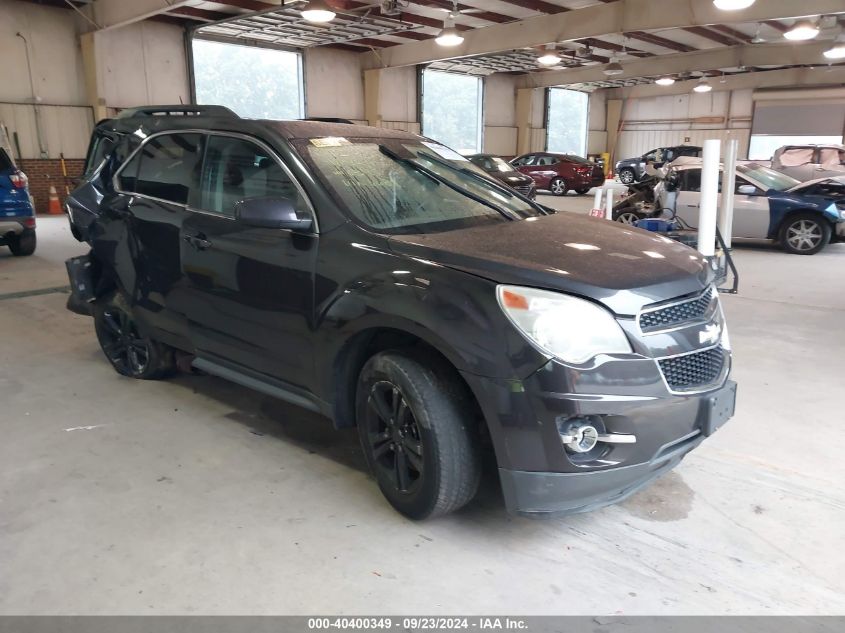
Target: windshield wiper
{"points": [[433, 175], [490, 182]]}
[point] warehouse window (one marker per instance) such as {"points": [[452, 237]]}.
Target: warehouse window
{"points": [[566, 131], [257, 83], [452, 110]]}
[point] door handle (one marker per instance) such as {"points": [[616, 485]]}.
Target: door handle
{"points": [[199, 242]]}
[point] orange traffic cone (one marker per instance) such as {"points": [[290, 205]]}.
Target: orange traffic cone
{"points": [[54, 207]]}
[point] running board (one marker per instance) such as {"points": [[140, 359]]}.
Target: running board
{"points": [[265, 384]]}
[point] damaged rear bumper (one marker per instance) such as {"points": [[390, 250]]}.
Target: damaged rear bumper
{"points": [[80, 272]]}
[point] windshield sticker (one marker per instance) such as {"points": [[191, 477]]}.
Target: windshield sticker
{"points": [[444, 152], [330, 141]]}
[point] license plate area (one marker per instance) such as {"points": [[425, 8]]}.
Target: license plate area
{"points": [[718, 408]]}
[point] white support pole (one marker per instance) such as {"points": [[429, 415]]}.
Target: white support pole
{"points": [[726, 212], [609, 207], [597, 203], [709, 198]]}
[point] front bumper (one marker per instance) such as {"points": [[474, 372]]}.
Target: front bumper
{"points": [[541, 477]]}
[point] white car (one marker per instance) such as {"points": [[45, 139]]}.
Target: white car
{"points": [[810, 162], [802, 217]]}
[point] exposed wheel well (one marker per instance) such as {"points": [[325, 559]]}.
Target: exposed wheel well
{"points": [[363, 346]]}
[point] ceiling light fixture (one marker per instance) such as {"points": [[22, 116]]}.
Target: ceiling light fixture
{"points": [[803, 30], [318, 11], [837, 51], [549, 56], [449, 36], [703, 85], [613, 68], [665, 81], [732, 5]]}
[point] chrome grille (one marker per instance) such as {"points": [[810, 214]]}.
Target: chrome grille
{"points": [[682, 312], [693, 371]]}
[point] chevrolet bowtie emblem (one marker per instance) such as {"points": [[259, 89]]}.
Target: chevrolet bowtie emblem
{"points": [[711, 334]]}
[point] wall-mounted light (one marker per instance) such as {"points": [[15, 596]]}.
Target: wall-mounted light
{"points": [[703, 85], [318, 11], [803, 30], [733, 5], [549, 56], [665, 81]]}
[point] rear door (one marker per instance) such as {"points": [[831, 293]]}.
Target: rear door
{"points": [[140, 227], [248, 292]]}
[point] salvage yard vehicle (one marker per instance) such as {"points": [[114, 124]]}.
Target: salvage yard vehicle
{"points": [[631, 170], [17, 215], [560, 173], [802, 217], [810, 162], [503, 171], [374, 276]]}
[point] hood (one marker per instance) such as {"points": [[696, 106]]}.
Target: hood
{"points": [[511, 177], [622, 267], [811, 183]]}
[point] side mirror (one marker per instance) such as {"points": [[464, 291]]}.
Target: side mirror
{"points": [[747, 190], [272, 213]]}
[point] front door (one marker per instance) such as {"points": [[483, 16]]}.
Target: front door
{"points": [[248, 292]]}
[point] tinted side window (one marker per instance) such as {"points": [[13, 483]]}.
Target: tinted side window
{"points": [[168, 167], [5, 162], [236, 169]]}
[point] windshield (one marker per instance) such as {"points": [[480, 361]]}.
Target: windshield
{"points": [[767, 178], [492, 163], [400, 186]]}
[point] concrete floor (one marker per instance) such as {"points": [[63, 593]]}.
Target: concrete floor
{"points": [[198, 496]]}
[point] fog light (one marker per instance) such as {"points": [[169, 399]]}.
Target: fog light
{"points": [[580, 437]]}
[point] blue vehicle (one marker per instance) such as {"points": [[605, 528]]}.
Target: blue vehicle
{"points": [[17, 216]]}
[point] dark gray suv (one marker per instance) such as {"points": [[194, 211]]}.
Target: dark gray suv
{"points": [[381, 279], [631, 170]]}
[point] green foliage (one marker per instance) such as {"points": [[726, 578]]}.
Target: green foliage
{"points": [[257, 83], [568, 110], [452, 110]]}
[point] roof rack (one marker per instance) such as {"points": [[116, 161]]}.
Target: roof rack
{"points": [[177, 110]]}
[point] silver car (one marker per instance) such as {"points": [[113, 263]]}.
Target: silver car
{"points": [[810, 162]]}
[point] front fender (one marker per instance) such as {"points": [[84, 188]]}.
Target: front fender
{"points": [[783, 204]]}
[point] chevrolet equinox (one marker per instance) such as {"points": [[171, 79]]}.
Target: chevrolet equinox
{"points": [[381, 279]]}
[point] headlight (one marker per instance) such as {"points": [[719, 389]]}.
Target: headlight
{"points": [[573, 330]]}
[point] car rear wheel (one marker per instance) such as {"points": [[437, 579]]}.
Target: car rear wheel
{"points": [[558, 187], [23, 244], [804, 234], [130, 353], [627, 176], [417, 431]]}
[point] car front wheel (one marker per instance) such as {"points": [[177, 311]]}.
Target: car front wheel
{"points": [[804, 234], [417, 431], [627, 216], [558, 187]]}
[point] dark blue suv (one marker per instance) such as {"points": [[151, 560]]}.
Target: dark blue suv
{"points": [[17, 217]]}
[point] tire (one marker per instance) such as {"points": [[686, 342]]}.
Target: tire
{"points": [[626, 216], [414, 402], [804, 234], [130, 353], [583, 191], [23, 244], [627, 176], [558, 187]]}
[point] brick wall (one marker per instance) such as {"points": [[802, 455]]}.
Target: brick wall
{"points": [[45, 172]]}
